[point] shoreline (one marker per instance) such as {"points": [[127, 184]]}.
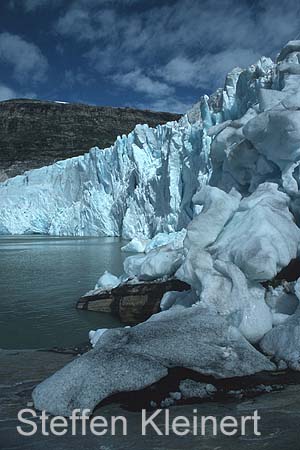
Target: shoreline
{"points": [[26, 368]]}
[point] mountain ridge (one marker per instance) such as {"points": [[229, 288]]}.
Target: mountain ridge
{"points": [[35, 133]]}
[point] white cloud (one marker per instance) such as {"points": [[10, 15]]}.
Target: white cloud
{"points": [[158, 35], [32, 5], [166, 104], [7, 93], [140, 82], [163, 47], [74, 77], [26, 59], [206, 71]]}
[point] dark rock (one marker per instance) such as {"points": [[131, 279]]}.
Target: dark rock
{"points": [[36, 133], [132, 303], [290, 272], [196, 389]]}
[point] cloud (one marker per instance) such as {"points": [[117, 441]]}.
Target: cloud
{"points": [[7, 93], [166, 104], [24, 57], [208, 70], [74, 77], [179, 32], [142, 83], [164, 51], [32, 5]]}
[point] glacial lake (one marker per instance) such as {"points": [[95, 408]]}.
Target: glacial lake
{"points": [[41, 278]]}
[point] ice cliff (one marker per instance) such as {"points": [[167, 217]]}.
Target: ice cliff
{"points": [[141, 185]]}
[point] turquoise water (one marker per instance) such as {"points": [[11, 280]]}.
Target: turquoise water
{"points": [[41, 278]]}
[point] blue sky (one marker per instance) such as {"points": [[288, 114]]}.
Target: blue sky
{"points": [[160, 55]]}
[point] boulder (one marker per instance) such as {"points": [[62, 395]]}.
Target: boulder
{"points": [[131, 302], [196, 389]]}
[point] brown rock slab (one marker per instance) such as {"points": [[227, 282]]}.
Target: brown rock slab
{"points": [[133, 303]]}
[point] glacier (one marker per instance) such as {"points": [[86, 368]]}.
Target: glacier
{"points": [[226, 179], [140, 186]]}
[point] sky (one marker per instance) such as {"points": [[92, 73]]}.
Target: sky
{"points": [[151, 54]]}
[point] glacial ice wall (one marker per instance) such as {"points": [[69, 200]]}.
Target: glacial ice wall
{"points": [[140, 186], [241, 136]]}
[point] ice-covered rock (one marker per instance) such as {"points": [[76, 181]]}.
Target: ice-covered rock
{"points": [[107, 281], [290, 47], [229, 171], [137, 357], [218, 208]]}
